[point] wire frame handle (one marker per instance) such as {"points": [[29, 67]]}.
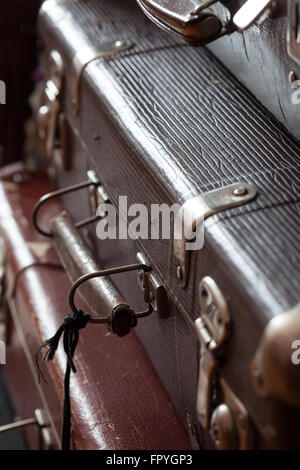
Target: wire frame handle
{"points": [[60, 192], [102, 273]]}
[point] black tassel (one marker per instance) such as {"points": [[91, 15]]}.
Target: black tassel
{"points": [[70, 329]]}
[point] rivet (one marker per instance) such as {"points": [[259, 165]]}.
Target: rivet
{"points": [[240, 191]]}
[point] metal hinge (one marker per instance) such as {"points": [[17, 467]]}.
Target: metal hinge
{"points": [[195, 211], [218, 408], [153, 288]]}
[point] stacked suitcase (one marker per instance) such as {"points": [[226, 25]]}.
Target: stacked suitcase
{"points": [[134, 112]]}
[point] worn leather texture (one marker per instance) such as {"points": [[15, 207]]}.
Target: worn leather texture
{"points": [[258, 57], [117, 400], [162, 123]]}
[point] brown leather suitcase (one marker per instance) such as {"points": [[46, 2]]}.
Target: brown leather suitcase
{"points": [[118, 402], [136, 113]]}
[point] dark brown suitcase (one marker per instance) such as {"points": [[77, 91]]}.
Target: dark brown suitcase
{"points": [[118, 402], [161, 122]]}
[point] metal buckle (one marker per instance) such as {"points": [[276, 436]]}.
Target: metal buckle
{"points": [[87, 55], [199, 208], [293, 36], [218, 408], [92, 182]]}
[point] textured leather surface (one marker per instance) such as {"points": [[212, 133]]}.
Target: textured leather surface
{"points": [[259, 59], [165, 125], [117, 399]]}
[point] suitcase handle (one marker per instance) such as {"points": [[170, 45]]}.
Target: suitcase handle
{"points": [[55, 194], [97, 289]]}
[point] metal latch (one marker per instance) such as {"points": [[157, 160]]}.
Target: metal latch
{"points": [[212, 328], [87, 55], [201, 24], [293, 37], [154, 291], [41, 421], [252, 12], [218, 408], [195, 211]]}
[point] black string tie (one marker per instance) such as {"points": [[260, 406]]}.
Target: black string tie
{"points": [[70, 331]]}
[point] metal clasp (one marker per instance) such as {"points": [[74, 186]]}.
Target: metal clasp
{"points": [[195, 211], [252, 12], [153, 288], [218, 408], [212, 328]]}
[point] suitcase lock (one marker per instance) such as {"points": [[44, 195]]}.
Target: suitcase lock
{"points": [[218, 408]]}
